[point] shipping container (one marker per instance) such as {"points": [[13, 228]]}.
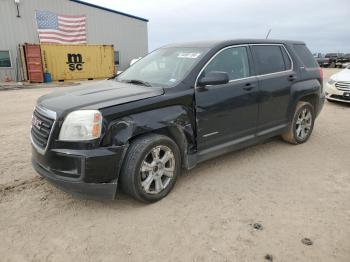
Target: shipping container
{"points": [[72, 62]]}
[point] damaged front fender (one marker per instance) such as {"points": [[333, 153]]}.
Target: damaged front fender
{"points": [[176, 121]]}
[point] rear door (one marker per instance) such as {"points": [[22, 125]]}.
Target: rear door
{"points": [[227, 112], [275, 75]]}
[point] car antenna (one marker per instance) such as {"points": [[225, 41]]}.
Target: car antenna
{"points": [[268, 33]]}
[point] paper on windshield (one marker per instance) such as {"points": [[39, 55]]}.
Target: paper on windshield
{"points": [[189, 55]]}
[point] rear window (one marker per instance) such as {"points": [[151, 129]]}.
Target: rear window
{"points": [[271, 59], [305, 56]]}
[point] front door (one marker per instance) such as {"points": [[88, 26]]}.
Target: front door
{"points": [[227, 112]]}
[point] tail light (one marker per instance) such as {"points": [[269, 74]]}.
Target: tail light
{"points": [[321, 73], [321, 78]]}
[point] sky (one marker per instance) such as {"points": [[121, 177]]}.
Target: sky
{"points": [[323, 25]]}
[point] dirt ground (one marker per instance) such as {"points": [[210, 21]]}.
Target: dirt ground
{"points": [[292, 192]]}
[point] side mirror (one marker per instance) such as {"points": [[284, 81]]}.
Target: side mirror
{"points": [[214, 78]]}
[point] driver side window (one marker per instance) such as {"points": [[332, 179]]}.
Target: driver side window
{"points": [[233, 61]]}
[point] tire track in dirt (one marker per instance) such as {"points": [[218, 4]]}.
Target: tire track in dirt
{"points": [[19, 186]]}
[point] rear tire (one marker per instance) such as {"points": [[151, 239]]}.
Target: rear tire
{"points": [[302, 124], [150, 168]]}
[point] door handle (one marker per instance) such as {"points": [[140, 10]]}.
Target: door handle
{"points": [[248, 86], [292, 77]]}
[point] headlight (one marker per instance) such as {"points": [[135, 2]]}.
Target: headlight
{"points": [[81, 125], [331, 81]]}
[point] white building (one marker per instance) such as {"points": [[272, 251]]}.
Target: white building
{"points": [[126, 32]]}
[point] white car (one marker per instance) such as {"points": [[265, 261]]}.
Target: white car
{"points": [[338, 86]]}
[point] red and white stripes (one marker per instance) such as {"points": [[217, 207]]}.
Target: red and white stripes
{"points": [[71, 30]]}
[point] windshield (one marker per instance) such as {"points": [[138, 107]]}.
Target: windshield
{"points": [[164, 67]]}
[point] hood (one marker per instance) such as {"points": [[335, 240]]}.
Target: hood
{"points": [[96, 95], [343, 76]]}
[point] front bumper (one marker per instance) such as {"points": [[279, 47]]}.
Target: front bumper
{"points": [[90, 174], [334, 94]]}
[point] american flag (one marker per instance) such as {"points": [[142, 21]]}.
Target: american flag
{"points": [[61, 29]]}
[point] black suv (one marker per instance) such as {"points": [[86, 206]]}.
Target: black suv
{"points": [[178, 106]]}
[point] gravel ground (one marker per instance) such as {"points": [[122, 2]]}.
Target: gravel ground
{"points": [[257, 204]]}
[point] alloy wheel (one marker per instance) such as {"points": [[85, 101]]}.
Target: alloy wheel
{"points": [[157, 169], [303, 124]]}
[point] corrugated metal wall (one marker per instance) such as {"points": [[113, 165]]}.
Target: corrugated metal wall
{"points": [[128, 35], [66, 62]]}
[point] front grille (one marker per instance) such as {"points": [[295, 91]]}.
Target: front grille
{"points": [[345, 86], [41, 129]]}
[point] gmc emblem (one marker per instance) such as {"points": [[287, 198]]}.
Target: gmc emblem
{"points": [[36, 122]]}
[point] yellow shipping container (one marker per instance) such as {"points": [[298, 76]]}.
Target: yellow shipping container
{"points": [[68, 62]]}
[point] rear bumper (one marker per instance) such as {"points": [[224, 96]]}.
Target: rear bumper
{"points": [[89, 174], [323, 63], [320, 103]]}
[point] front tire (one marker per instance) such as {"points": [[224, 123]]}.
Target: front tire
{"points": [[150, 168], [302, 124]]}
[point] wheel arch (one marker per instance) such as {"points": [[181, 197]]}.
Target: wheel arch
{"points": [[307, 91], [176, 122], [310, 98]]}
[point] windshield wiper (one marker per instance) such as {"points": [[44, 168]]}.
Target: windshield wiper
{"points": [[137, 82]]}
